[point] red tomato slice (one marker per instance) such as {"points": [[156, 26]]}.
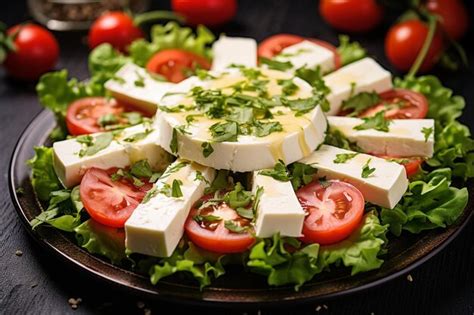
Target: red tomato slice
{"points": [[333, 212], [214, 236], [109, 202], [82, 115], [273, 45], [400, 104], [412, 164], [174, 63]]}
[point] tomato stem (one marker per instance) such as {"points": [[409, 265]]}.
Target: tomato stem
{"points": [[426, 46], [157, 15]]}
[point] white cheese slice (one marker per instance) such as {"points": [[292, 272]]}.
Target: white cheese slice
{"points": [[384, 187], [133, 85], [308, 54], [405, 137], [70, 167], [155, 227], [279, 211], [234, 50], [365, 75], [300, 136]]}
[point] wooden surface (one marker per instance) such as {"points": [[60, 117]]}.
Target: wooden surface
{"points": [[36, 283]]}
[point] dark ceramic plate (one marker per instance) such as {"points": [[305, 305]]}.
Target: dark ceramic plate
{"points": [[404, 253]]}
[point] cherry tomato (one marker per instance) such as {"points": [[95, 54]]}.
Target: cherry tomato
{"points": [[453, 16], [207, 12], [273, 45], [174, 64], [37, 52], [83, 115], [351, 15], [333, 211], [213, 235], [109, 202], [400, 104], [116, 28], [404, 41], [412, 164]]}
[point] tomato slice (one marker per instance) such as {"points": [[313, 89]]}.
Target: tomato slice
{"points": [[334, 210], [83, 115], [174, 63], [213, 235], [109, 202], [400, 104], [273, 45], [412, 164]]}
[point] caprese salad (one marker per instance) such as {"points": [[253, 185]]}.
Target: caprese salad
{"points": [[289, 156]]}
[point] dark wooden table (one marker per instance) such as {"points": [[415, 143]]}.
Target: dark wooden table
{"points": [[37, 283]]}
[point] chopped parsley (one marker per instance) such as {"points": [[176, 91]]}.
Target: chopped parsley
{"points": [[138, 136], [366, 170], [174, 142], [288, 87], [140, 81], [377, 122], [358, 103], [301, 174], [238, 197], [234, 227], [92, 145], [427, 132], [344, 157], [279, 172], [224, 131], [207, 149], [275, 64], [206, 218], [176, 189]]}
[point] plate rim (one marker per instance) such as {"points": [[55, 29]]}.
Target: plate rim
{"points": [[211, 300]]}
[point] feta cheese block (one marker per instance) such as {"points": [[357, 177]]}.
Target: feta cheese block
{"points": [[135, 86], [234, 50], [156, 226], [192, 139], [307, 54], [384, 187], [405, 138], [365, 75], [279, 211], [121, 152]]}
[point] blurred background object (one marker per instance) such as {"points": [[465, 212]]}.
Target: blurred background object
{"points": [[64, 15]]}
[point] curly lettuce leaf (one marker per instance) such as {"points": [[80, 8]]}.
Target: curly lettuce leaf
{"points": [[203, 266], [360, 251], [104, 62], [171, 35], [454, 146], [349, 51], [63, 212], [102, 240], [428, 204], [43, 177]]}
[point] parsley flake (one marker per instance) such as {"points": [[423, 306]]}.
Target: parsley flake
{"points": [[366, 170], [377, 122], [427, 132], [344, 157]]}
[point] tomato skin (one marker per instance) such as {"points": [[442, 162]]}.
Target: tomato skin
{"points": [[172, 63], [333, 212], [220, 240], [412, 166], [37, 52], [351, 15], [453, 17], [273, 45], [417, 108], [207, 12], [116, 28], [404, 41], [108, 202]]}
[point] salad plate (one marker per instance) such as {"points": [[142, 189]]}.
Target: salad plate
{"points": [[265, 157]]}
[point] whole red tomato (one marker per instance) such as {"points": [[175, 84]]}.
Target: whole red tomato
{"points": [[404, 41], [453, 16], [351, 15], [116, 28], [207, 12], [36, 52]]}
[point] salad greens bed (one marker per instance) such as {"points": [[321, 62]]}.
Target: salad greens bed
{"points": [[430, 202]]}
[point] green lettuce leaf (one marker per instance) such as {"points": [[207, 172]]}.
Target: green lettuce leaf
{"points": [[203, 266], [102, 240], [428, 204], [454, 146], [104, 62], [349, 51], [169, 36], [360, 251], [43, 177], [63, 212]]}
